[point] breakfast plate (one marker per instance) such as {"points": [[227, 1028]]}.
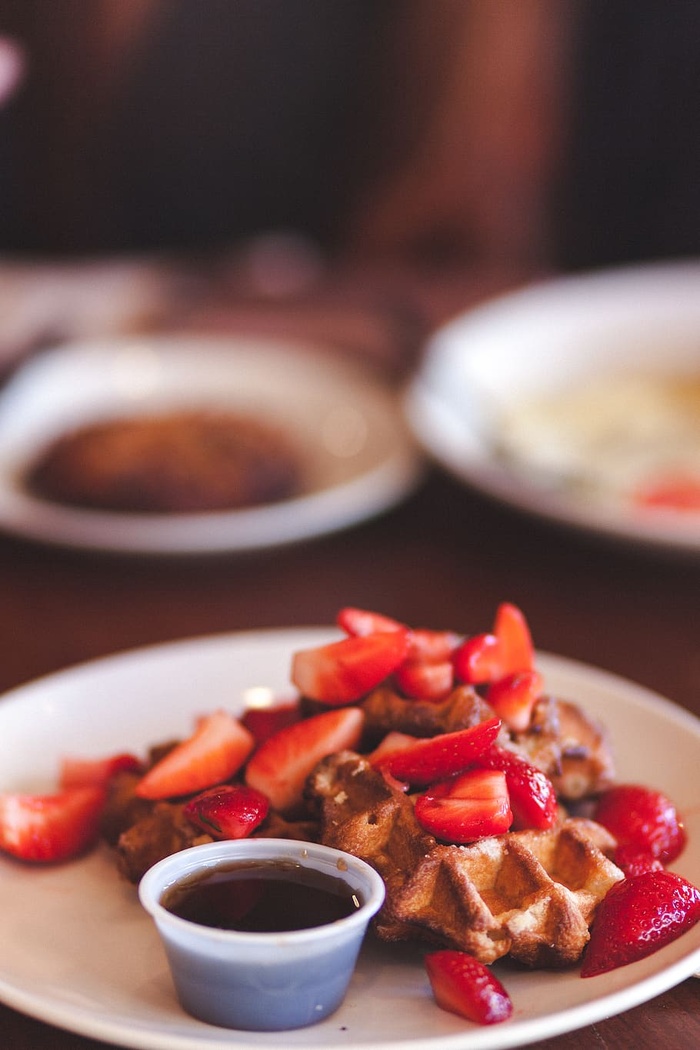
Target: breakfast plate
{"points": [[551, 399], [80, 953], [354, 448]]}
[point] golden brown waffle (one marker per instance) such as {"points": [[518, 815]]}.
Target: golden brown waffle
{"points": [[530, 895], [562, 740]]}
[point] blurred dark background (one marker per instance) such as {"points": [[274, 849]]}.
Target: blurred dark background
{"points": [[555, 132]]}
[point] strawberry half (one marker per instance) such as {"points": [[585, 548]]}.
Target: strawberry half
{"points": [[230, 811], [638, 916], [217, 749], [514, 697], [281, 765], [439, 757], [465, 808], [265, 721], [342, 672], [50, 828], [505, 651], [82, 772], [360, 622], [464, 986], [532, 796], [642, 819], [423, 680], [432, 646]]}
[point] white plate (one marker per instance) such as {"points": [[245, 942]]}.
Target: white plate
{"points": [[541, 339], [79, 952], [356, 449]]}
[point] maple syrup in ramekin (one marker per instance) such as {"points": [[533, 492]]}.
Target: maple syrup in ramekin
{"points": [[261, 897]]}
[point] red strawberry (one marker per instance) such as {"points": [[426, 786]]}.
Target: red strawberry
{"points": [[51, 827], [511, 629], [478, 659], [342, 672], [424, 644], [389, 744], [230, 811], [642, 818], [360, 622], [464, 986], [514, 697], [637, 917], [217, 749], [81, 772], [532, 795], [265, 721], [422, 680], [432, 646], [438, 757], [467, 807], [281, 764], [632, 862], [488, 657]]}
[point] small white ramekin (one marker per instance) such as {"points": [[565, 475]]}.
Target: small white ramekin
{"points": [[261, 981]]}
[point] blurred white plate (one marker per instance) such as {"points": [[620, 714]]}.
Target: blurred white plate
{"points": [[79, 952], [356, 449], [546, 338]]}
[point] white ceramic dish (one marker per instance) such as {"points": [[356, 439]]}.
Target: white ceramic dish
{"points": [[546, 338], [79, 952], [356, 449]]}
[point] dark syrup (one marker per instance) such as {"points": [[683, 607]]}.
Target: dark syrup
{"points": [[262, 897]]}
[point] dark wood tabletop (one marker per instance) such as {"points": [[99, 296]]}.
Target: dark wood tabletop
{"points": [[444, 558]]}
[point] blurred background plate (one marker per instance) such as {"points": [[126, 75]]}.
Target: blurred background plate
{"points": [[356, 450], [545, 341]]}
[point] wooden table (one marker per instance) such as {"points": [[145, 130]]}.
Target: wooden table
{"points": [[444, 558]]}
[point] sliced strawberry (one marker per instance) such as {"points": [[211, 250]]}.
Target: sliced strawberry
{"points": [[634, 862], [505, 651], [432, 646], [439, 757], [393, 741], [263, 722], [514, 697], [478, 659], [533, 799], [51, 827], [360, 622], [342, 672], [229, 811], [464, 986], [467, 807], [424, 644], [511, 629], [643, 819], [217, 749], [280, 766], [82, 772], [421, 680], [638, 916]]}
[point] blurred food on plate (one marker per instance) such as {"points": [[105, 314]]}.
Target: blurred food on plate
{"points": [[628, 436], [183, 461]]}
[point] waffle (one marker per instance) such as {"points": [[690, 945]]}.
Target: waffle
{"points": [[530, 895], [562, 740]]}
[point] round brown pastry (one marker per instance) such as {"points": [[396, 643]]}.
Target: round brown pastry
{"points": [[180, 462]]}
